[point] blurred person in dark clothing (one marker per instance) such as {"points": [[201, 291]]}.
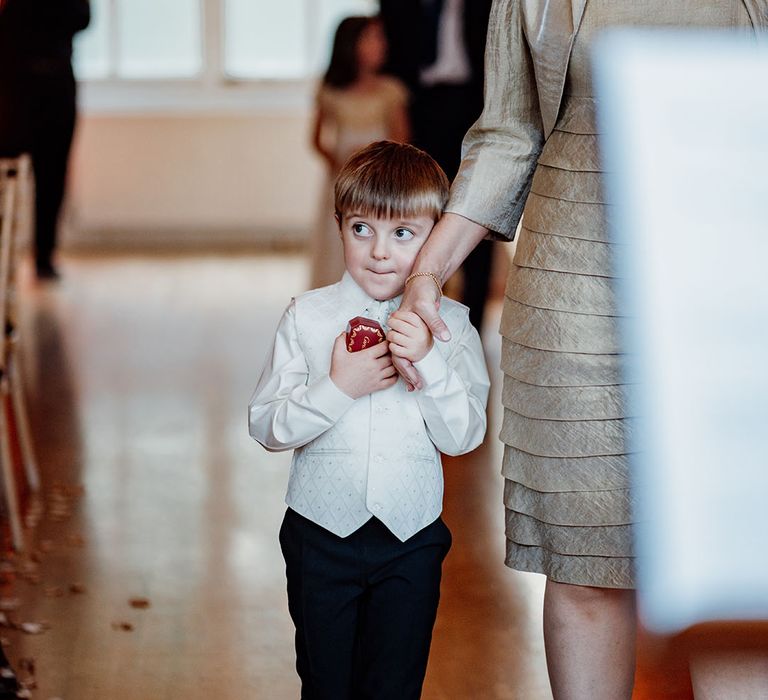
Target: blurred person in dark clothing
{"points": [[37, 102], [437, 48]]}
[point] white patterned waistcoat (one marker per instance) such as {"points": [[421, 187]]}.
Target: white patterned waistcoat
{"points": [[377, 460]]}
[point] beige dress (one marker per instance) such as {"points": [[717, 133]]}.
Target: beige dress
{"points": [[567, 497], [351, 120]]}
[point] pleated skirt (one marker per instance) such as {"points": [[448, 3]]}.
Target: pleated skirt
{"points": [[567, 498]]}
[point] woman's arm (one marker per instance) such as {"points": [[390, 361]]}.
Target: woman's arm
{"points": [[398, 121], [501, 149], [499, 156], [317, 139], [452, 239], [399, 124]]}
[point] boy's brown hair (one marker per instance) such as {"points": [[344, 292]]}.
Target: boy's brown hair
{"points": [[391, 180]]}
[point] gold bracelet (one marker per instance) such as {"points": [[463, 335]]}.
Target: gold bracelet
{"points": [[431, 275]]}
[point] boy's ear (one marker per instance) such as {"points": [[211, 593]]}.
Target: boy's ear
{"points": [[338, 221]]}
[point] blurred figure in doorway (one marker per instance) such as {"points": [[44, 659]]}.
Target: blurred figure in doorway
{"points": [[355, 106], [37, 103]]}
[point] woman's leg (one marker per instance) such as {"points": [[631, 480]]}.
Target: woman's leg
{"points": [[589, 637]]}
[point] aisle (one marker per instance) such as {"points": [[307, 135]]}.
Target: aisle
{"points": [[140, 370]]}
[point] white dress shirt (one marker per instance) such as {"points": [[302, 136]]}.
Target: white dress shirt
{"points": [[379, 454]]}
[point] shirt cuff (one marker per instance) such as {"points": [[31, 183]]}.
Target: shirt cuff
{"points": [[328, 399], [432, 367]]}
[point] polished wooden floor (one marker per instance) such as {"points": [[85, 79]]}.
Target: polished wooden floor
{"points": [[139, 371]]}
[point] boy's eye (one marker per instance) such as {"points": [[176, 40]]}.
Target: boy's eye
{"points": [[360, 229], [403, 234]]}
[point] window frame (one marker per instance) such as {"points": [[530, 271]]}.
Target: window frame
{"points": [[212, 90]]}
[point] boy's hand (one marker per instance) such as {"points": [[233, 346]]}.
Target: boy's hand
{"points": [[409, 337], [362, 372]]}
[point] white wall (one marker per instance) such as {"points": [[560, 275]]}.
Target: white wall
{"points": [[176, 181], [169, 179]]}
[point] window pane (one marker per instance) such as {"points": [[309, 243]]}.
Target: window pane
{"points": [[159, 38], [265, 39], [91, 47], [329, 14]]}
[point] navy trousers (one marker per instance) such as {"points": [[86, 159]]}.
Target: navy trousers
{"points": [[52, 124], [364, 607]]}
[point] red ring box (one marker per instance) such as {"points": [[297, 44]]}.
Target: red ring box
{"points": [[363, 333]]}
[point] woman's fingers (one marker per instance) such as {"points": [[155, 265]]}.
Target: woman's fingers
{"points": [[407, 371], [428, 313], [422, 297]]}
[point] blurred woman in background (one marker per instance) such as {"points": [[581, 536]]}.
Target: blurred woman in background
{"points": [[355, 105]]}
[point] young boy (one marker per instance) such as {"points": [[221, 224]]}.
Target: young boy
{"points": [[362, 538]]}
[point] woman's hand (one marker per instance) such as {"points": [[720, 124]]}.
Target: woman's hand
{"points": [[421, 299], [452, 239]]}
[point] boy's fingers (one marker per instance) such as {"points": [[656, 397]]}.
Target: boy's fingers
{"points": [[431, 319], [377, 350], [406, 320], [396, 337], [388, 382], [340, 344], [389, 372], [385, 361], [394, 324], [411, 318], [402, 349], [396, 328], [397, 350]]}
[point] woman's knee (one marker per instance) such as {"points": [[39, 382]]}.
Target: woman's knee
{"points": [[589, 598]]}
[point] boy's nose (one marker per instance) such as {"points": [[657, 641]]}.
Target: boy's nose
{"points": [[380, 249]]}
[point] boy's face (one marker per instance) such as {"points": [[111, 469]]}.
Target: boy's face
{"points": [[379, 253]]}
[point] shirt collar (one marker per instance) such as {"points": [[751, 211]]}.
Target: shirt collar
{"points": [[366, 305]]}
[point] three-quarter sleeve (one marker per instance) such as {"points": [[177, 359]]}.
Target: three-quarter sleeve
{"points": [[286, 410], [500, 151]]}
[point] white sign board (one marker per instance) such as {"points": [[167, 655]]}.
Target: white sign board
{"points": [[685, 137]]}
